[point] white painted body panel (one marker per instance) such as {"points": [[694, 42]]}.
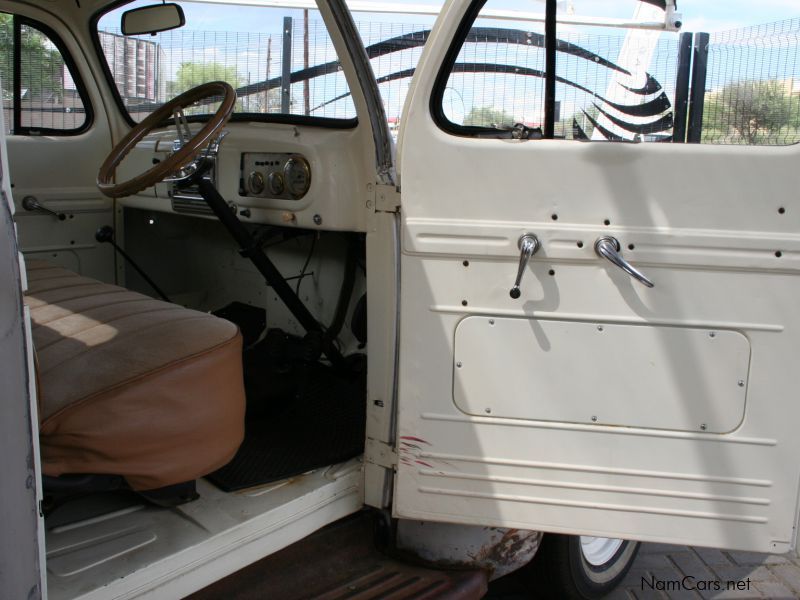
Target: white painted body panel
{"points": [[704, 225], [21, 436]]}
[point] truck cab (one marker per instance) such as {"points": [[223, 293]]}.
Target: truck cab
{"points": [[251, 295]]}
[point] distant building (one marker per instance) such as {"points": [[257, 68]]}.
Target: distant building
{"points": [[138, 67], [792, 86]]}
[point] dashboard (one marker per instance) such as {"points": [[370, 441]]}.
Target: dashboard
{"points": [[292, 175]]}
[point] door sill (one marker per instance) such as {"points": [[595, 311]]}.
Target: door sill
{"points": [[140, 549]]}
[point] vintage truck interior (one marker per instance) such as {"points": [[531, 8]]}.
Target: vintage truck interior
{"points": [[208, 380], [579, 317]]}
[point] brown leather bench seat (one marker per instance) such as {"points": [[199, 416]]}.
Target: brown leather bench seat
{"points": [[129, 385]]}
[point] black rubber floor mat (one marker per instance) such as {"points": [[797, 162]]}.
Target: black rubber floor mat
{"points": [[322, 424]]}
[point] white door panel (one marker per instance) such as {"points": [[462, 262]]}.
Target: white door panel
{"points": [[540, 473], [680, 451], [60, 171]]}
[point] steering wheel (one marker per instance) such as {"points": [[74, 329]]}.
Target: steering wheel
{"points": [[189, 149]]}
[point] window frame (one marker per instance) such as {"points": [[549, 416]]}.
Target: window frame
{"points": [[443, 76], [279, 118], [436, 105], [18, 21]]}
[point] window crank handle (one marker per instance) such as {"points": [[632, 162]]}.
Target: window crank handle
{"points": [[528, 245], [609, 248], [30, 203]]}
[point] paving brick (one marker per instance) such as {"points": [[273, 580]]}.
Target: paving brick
{"points": [[774, 590], [690, 564], [683, 595], [756, 558], [731, 595], [648, 594], [713, 557], [634, 577], [620, 594], [759, 573], [789, 574], [778, 559], [669, 581], [652, 561], [633, 582], [745, 590], [659, 548]]}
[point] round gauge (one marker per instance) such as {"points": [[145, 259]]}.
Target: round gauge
{"points": [[255, 182], [276, 183], [297, 173]]}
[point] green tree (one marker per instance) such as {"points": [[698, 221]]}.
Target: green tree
{"points": [[6, 51], [42, 65], [192, 74], [754, 111], [488, 116]]}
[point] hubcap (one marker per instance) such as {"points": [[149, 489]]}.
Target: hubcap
{"points": [[598, 551]]}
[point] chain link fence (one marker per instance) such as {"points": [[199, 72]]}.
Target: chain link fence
{"points": [[752, 91], [752, 87]]}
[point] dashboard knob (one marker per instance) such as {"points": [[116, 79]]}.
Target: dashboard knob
{"points": [[255, 182]]}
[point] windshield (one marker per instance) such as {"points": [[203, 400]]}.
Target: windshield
{"points": [[280, 61]]}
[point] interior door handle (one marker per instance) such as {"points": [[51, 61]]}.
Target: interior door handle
{"points": [[528, 245], [608, 247]]}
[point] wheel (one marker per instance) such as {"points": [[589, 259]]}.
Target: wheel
{"points": [[579, 567]]}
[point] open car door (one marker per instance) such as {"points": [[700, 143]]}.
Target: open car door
{"points": [[22, 526], [591, 403]]}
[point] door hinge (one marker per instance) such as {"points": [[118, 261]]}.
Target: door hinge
{"points": [[380, 453], [383, 198]]}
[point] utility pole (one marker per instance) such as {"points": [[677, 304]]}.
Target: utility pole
{"points": [[286, 67], [306, 91]]}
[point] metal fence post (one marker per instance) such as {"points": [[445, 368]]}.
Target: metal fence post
{"points": [[697, 96], [286, 70], [682, 87], [550, 44]]}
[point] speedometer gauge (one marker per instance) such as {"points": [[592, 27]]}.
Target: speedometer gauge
{"points": [[297, 176]]}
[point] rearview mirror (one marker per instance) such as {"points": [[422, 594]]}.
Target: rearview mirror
{"points": [[152, 19]]}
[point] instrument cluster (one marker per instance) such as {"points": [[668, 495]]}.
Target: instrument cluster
{"points": [[280, 176]]}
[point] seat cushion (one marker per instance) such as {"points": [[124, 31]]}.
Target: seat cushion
{"points": [[132, 386]]}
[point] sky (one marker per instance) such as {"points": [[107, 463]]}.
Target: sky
{"points": [[698, 15]]}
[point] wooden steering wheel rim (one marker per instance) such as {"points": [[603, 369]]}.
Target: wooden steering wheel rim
{"points": [[177, 160]]}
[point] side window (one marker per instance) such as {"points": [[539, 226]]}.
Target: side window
{"points": [[623, 84], [7, 68], [611, 84], [41, 94]]}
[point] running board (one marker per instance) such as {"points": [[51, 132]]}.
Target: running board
{"points": [[340, 562]]}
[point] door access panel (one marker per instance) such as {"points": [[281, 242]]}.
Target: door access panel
{"points": [[681, 379]]}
